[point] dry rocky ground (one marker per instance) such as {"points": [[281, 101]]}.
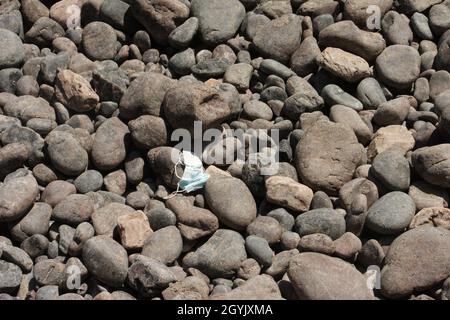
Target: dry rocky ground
{"points": [[357, 90]]}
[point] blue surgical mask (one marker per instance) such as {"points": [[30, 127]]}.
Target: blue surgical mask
{"points": [[194, 177]]}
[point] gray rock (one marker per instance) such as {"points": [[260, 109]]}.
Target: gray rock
{"points": [[164, 245], [398, 66], [99, 41], [182, 62], [220, 256], [183, 35], [391, 168], [106, 260], [160, 17], [284, 218], [160, 218], [391, 214], [36, 221], [261, 287], [90, 180], [219, 20], [279, 38], [419, 23], [392, 112], [17, 196], [74, 209], [44, 31], [349, 117], [396, 28], [149, 276], [370, 93], [303, 60], [66, 153], [416, 261], [433, 164], [109, 148], [221, 193], [347, 36], [326, 221], [315, 276], [333, 94], [10, 277], [259, 249], [327, 156]]}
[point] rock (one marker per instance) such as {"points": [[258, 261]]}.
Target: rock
{"points": [[164, 245], [371, 254], [49, 272], [134, 229], [259, 249], [304, 98], [392, 68], [106, 260], [75, 92], [108, 150], [344, 65], [261, 287], [239, 75], [327, 156], [89, 181], [396, 28], [187, 103], [220, 256], [110, 85], [12, 53], [288, 193], [99, 41], [284, 218], [190, 288], [347, 246], [267, 228], [10, 277], [66, 153], [315, 276], [394, 136], [348, 116], [280, 263], [218, 20], [17, 256], [44, 31], [392, 169], [270, 66], [303, 60], [249, 268], [149, 276], [426, 195], [17, 196], [391, 214], [163, 161], [432, 164], [161, 217], [56, 191], [116, 182], [326, 221], [220, 194], [105, 218], [36, 221], [160, 17], [421, 27], [183, 35], [193, 222], [333, 95], [392, 112], [279, 38], [148, 132], [370, 93], [74, 209], [416, 261], [347, 36], [438, 15], [317, 242], [437, 217]]}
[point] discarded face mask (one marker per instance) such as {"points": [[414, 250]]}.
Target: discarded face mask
{"points": [[193, 177]]}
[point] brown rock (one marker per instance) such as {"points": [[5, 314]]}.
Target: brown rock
{"points": [[288, 193], [437, 217], [261, 287], [134, 229], [75, 92]]}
